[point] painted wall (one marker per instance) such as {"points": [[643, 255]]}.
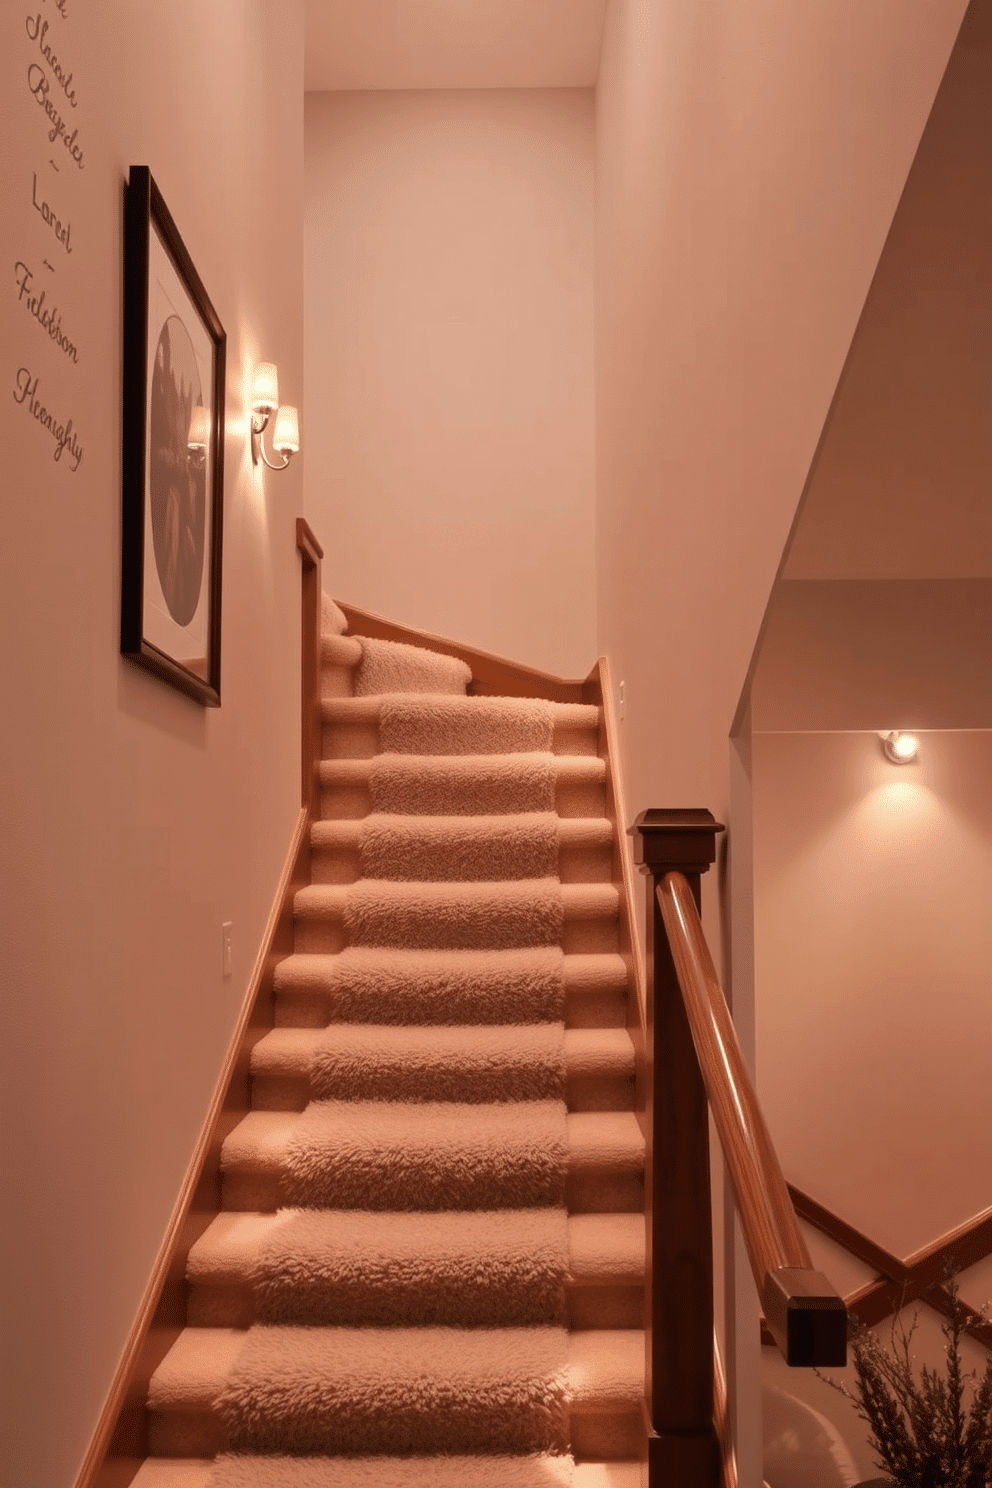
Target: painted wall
{"points": [[749, 162], [872, 884], [135, 822], [741, 212], [449, 362], [874, 1016]]}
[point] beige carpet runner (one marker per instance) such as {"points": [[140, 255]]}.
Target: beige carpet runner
{"points": [[407, 1265]]}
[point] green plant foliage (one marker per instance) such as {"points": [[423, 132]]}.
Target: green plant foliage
{"points": [[925, 1433]]}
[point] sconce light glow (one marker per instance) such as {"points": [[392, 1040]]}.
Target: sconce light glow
{"points": [[900, 748], [265, 388], [286, 436], [265, 402]]}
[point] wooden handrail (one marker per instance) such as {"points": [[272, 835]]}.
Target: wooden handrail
{"points": [[694, 1065], [805, 1314]]}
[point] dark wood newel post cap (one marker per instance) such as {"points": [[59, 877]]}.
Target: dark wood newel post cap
{"points": [[681, 840]]}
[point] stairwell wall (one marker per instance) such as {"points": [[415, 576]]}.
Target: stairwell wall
{"points": [[749, 160], [449, 357], [135, 822]]}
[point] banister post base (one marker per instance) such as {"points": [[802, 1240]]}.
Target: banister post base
{"points": [[685, 1459]]}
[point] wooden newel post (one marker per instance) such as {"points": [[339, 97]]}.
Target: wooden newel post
{"points": [[683, 1449]]}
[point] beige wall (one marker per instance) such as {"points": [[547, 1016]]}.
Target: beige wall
{"points": [[749, 162], [135, 822], [874, 1016], [748, 166], [450, 427], [874, 961], [872, 884]]}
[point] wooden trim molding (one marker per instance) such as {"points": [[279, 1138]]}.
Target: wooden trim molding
{"points": [[310, 726], [920, 1277], [598, 689], [491, 675]]}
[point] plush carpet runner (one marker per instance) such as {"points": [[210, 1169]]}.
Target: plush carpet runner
{"points": [[407, 1299]]}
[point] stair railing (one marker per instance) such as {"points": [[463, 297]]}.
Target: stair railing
{"points": [[694, 1066]]}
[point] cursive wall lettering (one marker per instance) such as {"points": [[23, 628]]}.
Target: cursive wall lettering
{"points": [[25, 390], [63, 232], [37, 30], [60, 7], [49, 320], [39, 85]]}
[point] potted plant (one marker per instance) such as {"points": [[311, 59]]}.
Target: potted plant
{"points": [[926, 1433]]}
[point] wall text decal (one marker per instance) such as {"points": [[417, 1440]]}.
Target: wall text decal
{"points": [[49, 319], [53, 213], [62, 230], [37, 30], [25, 390]]}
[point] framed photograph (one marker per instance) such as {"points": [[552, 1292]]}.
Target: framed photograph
{"points": [[173, 467]]}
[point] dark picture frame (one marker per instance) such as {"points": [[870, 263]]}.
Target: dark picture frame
{"points": [[175, 351]]}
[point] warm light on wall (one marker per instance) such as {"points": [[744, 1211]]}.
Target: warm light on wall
{"points": [[900, 748], [265, 402], [198, 438]]}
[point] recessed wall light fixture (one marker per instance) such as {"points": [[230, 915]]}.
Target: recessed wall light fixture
{"points": [[265, 402], [900, 748]]}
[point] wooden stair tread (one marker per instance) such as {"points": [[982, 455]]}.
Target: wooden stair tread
{"points": [[287, 1051], [367, 709], [604, 1249], [591, 831], [580, 901], [595, 1139], [581, 972], [575, 768], [605, 1366], [179, 1472]]}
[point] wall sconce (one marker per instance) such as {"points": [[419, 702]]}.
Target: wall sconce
{"points": [[900, 748], [265, 402]]}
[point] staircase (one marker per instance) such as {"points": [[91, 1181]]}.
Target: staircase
{"points": [[429, 1265]]}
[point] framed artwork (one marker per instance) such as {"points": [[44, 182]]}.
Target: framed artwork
{"points": [[173, 465]]}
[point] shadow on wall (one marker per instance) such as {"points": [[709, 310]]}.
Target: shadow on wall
{"points": [[802, 1448]]}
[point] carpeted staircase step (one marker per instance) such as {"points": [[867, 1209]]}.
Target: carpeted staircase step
{"points": [[398, 1156], [499, 916], [394, 667], [311, 1391], [340, 651], [353, 729], [452, 848], [355, 1061], [365, 985], [463, 785], [494, 1268], [385, 1472]]}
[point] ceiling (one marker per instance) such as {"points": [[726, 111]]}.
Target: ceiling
{"points": [[366, 44]]}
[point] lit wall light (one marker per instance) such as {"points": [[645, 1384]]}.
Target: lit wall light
{"points": [[900, 748], [198, 438], [265, 402]]}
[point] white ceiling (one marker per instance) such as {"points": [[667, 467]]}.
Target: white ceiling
{"points": [[358, 44]]}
